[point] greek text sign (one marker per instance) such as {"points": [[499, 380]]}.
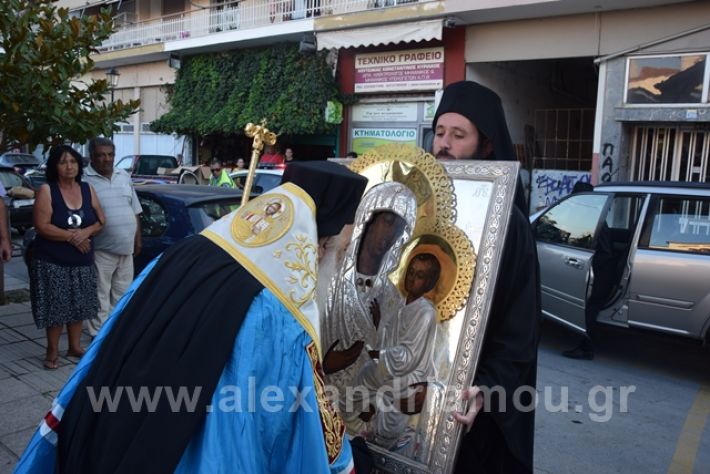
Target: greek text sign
{"points": [[405, 112], [366, 138], [410, 70]]}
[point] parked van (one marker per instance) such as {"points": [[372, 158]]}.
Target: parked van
{"points": [[656, 236]]}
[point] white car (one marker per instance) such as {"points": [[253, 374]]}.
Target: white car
{"points": [[264, 180]]}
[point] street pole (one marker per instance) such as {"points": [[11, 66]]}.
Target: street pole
{"points": [[112, 75], [112, 89]]}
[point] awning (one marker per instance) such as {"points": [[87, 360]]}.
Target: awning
{"points": [[385, 34]]}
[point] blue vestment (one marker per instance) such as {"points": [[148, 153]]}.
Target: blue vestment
{"points": [[264, 417]]}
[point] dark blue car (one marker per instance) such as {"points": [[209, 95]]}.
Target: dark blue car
{"points": [[172, 212]]}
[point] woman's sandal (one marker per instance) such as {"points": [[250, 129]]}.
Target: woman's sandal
{"points": [[51, 364]]}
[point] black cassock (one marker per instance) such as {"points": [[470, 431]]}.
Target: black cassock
{"points": [[503, 441]]}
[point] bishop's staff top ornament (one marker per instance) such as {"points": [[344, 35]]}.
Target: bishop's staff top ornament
{"points": [[261, 136]]}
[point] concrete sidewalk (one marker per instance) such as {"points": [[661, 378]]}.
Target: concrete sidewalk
{"points": [[26, 388]]}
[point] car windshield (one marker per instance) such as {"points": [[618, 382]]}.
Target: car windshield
{"points": [[205, 213], [21, 159], [267, 182], [10, 179], [125, 163], [262, 181], [149, 164]]}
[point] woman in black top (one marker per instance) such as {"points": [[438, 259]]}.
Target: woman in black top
{"points": [[62, 276]]}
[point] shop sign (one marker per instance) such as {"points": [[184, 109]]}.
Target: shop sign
{"points": [[403, 112], [409, 70], [366, 138]]}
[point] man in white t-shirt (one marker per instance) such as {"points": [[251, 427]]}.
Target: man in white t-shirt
{"points": [[120, 239]]}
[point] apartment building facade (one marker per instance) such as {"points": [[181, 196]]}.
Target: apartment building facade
{"points": [[599, 90], [604, 95]]}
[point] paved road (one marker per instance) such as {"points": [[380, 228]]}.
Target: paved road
{"points": [[666, 427], [666, 383]]}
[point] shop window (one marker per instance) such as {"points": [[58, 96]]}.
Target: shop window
{"points": [[563, 139]]}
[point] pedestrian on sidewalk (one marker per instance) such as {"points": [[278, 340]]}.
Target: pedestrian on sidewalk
{"points": [[66, 215], [120, 238]]}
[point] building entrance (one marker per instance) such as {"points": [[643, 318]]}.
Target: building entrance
{"points": [[670, 154]]}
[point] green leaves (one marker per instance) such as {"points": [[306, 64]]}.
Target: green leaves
{"points": [[44, 54], [220, 93]]}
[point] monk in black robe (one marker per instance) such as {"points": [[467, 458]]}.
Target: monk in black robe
{"points": [[470, 124]]}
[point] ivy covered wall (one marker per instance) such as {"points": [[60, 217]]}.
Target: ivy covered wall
{"points": [[220, 93]]}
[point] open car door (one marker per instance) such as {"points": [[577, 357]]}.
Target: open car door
{"points": [[566, 236]]}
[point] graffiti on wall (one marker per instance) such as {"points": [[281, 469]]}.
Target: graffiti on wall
{"points": [[607, 159], [549, 186]]}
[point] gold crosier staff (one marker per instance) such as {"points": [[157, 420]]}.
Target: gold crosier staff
{"points": [[261, 135]]}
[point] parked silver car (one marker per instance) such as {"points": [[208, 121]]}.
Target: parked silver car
{"points": [[656, 237], [21, 162]]}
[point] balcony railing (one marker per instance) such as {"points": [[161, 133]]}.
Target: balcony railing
{"points": [[237, 15]]}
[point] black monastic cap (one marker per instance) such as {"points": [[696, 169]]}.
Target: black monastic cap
{"points": [[335, 190], [484, 109]]}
